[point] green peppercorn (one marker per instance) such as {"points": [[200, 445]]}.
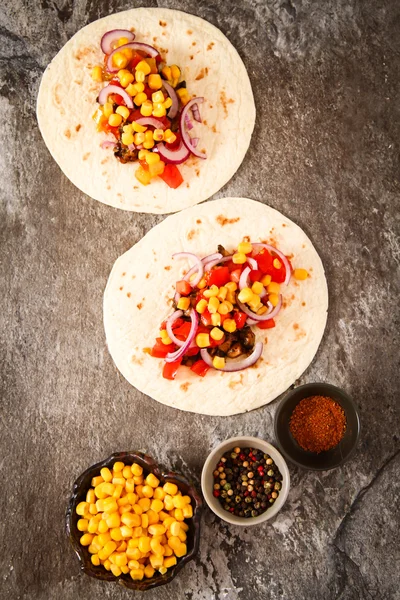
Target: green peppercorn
{"points": [[227, 486], [233, 455], [277, 485], [223, 494], [238, 499], [270, 473], [254, 513]]}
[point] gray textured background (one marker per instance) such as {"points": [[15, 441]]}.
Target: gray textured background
{"points": [[325, 75]]}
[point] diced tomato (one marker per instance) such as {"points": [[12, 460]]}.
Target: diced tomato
{"points": [[255, 275], [265, 262], [136, 58], [206, 318], [177, 323], [214, 343], [144, 164], [200, 368], [235, 275], [266, 324], [176, 143], [148, 91], [183, 287], [172, 176], [165, 121], [117, 99], [160, 350], [135, 115], [113, 130], [240, 319], [279, 275], [170, 369], [192, 351], [219, 276], [231, 265], [115, 81], [183, 330]]}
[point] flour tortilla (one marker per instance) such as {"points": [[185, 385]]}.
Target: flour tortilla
{"points": [[211, 67], [139, 292]]}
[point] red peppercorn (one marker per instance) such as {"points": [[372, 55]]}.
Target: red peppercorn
{"points": [[231, 509], [260, 469], [253, 494], [242, 456], [246, 493], [216, 493]]}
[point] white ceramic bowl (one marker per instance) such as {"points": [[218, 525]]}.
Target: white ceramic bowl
{"points": [[207, 480]]}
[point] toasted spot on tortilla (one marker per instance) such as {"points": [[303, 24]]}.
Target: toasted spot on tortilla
{"points": [[246, 238], [303, 303], [283, 224], [214, 129], [121, 288], [202, 73], [198, 221], [135, 187], [184, 386], [109, 187], [103, 162], [225, 101], [140, 306], [197, 171], [266, 340], [123, 274], [233, 384], [77, 128], [295, 326], [221, 220], [138, 361], [154, 39], [193, 43], [129, 294], [191, 57], [133, 276], [300, 334], [189, 32], [188, 185], [162, 23], [205, 122], [119, 195], [67, 133], [163, 33], [86, 156], [167, 268], [210, 45], [257, 364], [82, 52], [56, 96], [192, 233], [147, 275], [303, 246]]}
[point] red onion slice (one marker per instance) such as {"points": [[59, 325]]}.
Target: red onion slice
{"points": [[281, 256], [238, 365], [170, 321], [188, 123], [196, 113], [172, 356], [252, 262], [185, 136], [150, 121], [131, 147], [114, 89], [175, 157], [134, 46], [243, 280], [194, 142], [265, 316], [112, 36], [198, 265], [107, 144], [213, 263], [173, 110]]}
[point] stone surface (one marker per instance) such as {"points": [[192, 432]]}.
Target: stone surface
{"points": [[325, 75]]}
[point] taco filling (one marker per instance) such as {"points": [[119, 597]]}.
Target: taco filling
{"points": [[217, 303], [146, 107]]}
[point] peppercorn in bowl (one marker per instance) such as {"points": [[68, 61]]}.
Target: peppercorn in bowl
{"points": [[245, 481], [131, 523], [317, 426]]}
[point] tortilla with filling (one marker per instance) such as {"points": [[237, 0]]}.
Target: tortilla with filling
{"points": [[139, 293], [211, 67]]}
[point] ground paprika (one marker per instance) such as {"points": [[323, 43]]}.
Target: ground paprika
{"points": [[318, 423]]}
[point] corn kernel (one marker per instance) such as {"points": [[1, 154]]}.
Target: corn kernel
{"points": [[229, 325], [148, 144], [216, 334], [121, 42], [82, 508], [146, 109], [157, 97], [245, 294], [152, 480], [274, 299], [212, 291], [115, 534], [213, 305], [90, 496], [138, 129], [222, 293], [107, 564], [166, 71], [143, 176], [129, 485], [116, 571], [273, 288], [95, 560], [118, 481], [114, 120], [153, 517], [157, 168], [277, 263], [82, 524], [202, 284], [262, 310], [175, 72], [120, 60], [123, 111], [239, 258], [144, 544], [169, 137], [156, 561], [300, 274], [175, 528], [185, 527], [254, 302], [218, 362], [170, 488], [92, 526], [158, 135], [231, 285], [127, 139], [133, 553], [97, 74], [147, 491], [93, 509], [103, 527], [257, 287], [201, 306], [168, 103], [140, 77], [187, 512], [108, 549], [137, 470], [224, 308], [155, 83], [130, 519], [216, 319], [144, 67], [165, 337], [140, 98], [122, 547], [132, 89], [245, 247], [137, 574], [152, 158], [149, 571], [203, 340], [138, 138], [266, 280], [183, 95], [125, 77], [144, 503], [159, 110]]}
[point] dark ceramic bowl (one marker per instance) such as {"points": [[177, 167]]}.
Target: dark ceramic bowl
{"points": [[81, 486], [310, 460]]}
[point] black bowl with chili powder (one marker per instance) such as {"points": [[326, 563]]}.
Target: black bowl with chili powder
{"points": [[320, 458]]}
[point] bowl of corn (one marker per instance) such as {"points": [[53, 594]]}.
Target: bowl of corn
{"points": [[132, 523]]}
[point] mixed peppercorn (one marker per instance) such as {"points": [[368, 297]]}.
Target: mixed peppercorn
{"points": [[246, 482]]}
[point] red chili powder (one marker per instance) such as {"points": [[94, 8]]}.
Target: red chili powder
{"points": [[318, 423]]}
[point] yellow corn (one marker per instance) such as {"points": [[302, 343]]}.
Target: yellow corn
{"points": [[170, 488], [108, 549], [120, 60], [203, 340], [156, 561], [181, 550], [82, 524], [137, 574], [229, 325], [157, 168], [254, 302], [300, 274], [216, 334], [166, 71], [130, 519], [213, 305], [201, 306], [146, 109], [129, 485], [93, 509], [144, 503], [147, 491], [257, 287], [138, 129], [155, 83], [262, 310], [139, 138], [175, 72], [158, 135], [225, 308], [245, 294], [103, 527], [266, 280], [169, 562], [148, 144], [127, 138], [140, 98], [114, 120], [159, 109], [137, 470], [144, 521], [212, 291], [168, 103], [222, 293], [95, 560], [143, 176], [187, 512], [107, 564], [274, 299], [239, 258], [144, 67], [107, 111], [152, 158], [125, 77], [179, 502], [115, 534], [218, 362], [231, 285], [157, 505], [277, 263], [90, 497], [116, 571], [113, 520], [183, 303], [183, 95], [148, 136], [152, 516], [185, 527], [245, 247], [170, 138], [157, 529], [216, 318], [149, 571], [140, 77], [82, 508], [157, 97], [123, 111], [273, 288], [97, 74], [121, 42], [132, 90]]}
